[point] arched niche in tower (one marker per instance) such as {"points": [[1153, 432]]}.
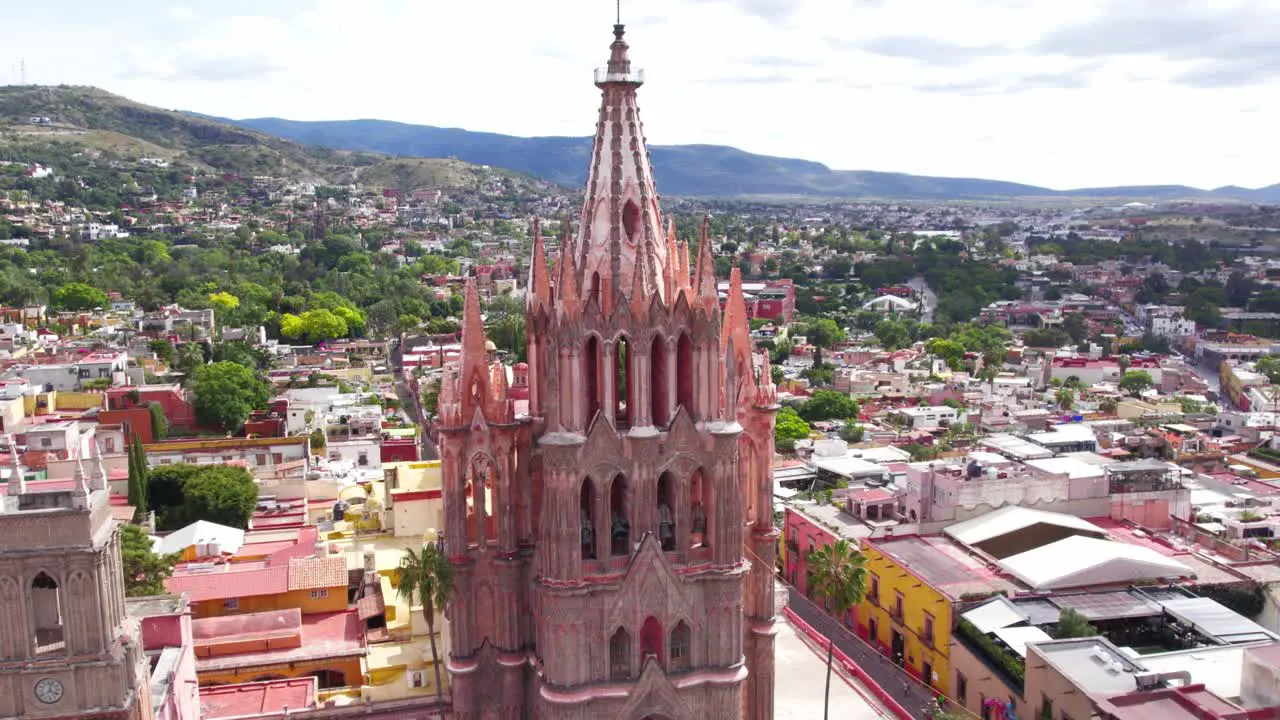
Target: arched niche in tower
{"points": [[591, 371], [481, 484], [586, 519], [651, 640], [699, 510], [747, 469], [623, 384], [666, 511], [50, 621], [631, 221], [684, 373], [658, 382], [619, 523], [593, 293]]}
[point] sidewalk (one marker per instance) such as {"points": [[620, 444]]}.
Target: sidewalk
{"points": [[878, 667]]}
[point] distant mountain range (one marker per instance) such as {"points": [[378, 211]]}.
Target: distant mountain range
{"points": [[700, 170], [94, 118]]}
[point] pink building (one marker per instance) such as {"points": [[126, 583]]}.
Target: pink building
{"points": [[166, 637], [614, 547]]}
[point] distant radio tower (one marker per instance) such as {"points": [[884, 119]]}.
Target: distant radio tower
{"points": [[22, 72]]}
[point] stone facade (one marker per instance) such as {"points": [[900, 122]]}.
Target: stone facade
{"points": [[614, 548], [67, 649]]}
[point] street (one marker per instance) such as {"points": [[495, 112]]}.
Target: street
{"points": [[411, 404], [879, 668]]}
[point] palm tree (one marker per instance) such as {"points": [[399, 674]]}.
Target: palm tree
{"points": [[428, 574], [838, 574]]}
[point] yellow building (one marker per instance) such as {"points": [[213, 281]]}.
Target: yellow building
{"points": [[310, 584], [913, 584]]}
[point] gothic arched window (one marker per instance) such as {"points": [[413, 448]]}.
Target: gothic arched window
{"points": [[623, 384], [746, 477], [620, 655], [667, 511], [680, 641], [46, 602], [699, 510], [658, 382], [619, 524], [586, 523], [591, 371], [684, 373]]}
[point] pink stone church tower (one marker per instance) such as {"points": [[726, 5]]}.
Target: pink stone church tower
{"points": [[614, 548]]}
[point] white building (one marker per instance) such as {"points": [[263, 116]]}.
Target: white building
{"points": [[928, 416]]}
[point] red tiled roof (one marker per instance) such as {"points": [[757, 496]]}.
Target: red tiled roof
{"points": [[330, 635], [312, 573], [871, 495], [230, 581], [258, 698]]}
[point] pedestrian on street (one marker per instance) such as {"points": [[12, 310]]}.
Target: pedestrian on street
{"points": [[906, 688]]}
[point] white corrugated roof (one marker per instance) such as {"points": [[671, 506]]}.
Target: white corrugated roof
{"points": [[200, 532], [1078, 561], [1017, 638], [1012, 518], [991, 616]]}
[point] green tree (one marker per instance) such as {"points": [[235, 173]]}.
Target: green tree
{"points": [[1073, 624], [431, 397], [159, 423], [788, 428], [144, 570], [1269, 365], [838, 576], [183, 494], [828, 405], [823, 333], [137, 479], [949, 351], [428, 574], [79, 296], [226, 392], [1136, 382], [313, 326], [318, 442], [1065, 398]]}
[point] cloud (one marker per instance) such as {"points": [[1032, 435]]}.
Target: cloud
{"points": [[1229, 45], [924, 49], [1074, 79], [776, 61], [770, 10], [773, 79]]}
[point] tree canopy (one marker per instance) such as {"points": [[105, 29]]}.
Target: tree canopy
{"points": [[144, 570], [79, 296], [1136, 382], [226, 392], [183, 494]]}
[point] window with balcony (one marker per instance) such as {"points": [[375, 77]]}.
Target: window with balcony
{"points": [[898, 607], [927, 635], [873, 594]]}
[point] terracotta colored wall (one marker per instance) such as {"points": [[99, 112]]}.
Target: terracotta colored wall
{"points": [[137, 420], [335, 602]]}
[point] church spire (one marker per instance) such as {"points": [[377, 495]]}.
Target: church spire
{"points": [[705, 277], [539, 276], [620, 213], [17, 476]]}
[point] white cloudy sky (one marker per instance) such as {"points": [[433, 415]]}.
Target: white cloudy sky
{"points": [[1064, 93]]}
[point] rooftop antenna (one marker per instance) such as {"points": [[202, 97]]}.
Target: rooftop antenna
{"points": [[619, 15]]}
